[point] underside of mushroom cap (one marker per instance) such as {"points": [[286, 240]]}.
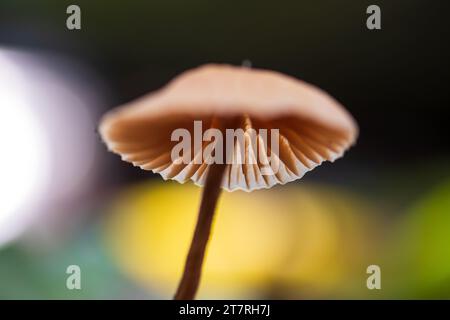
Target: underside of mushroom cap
{"points": [[312, 126]]}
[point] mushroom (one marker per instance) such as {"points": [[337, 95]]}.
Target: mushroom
{"points": [[307, 127]]}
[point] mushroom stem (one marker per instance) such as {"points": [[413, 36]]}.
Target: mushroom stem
{"points": [[193, 267]]}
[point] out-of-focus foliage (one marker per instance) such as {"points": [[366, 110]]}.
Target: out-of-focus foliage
{"points": [[309, 241], [302, 241], [422, 257], [335, 240], [37, 273]]}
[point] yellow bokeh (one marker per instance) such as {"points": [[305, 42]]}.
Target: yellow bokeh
{"points": [[287, 235]]}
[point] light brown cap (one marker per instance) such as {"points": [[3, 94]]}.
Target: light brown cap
{"points": [[313, 126]]}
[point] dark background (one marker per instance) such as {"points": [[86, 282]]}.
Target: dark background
{"points": [[394, 81]]}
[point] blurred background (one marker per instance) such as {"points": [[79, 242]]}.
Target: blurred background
{"points": [[64, 200]]}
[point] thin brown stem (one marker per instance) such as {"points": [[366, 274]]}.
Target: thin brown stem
{"points": [[192, 270]]}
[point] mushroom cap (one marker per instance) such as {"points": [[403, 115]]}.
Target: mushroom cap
{"points": [[313, 127]]}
